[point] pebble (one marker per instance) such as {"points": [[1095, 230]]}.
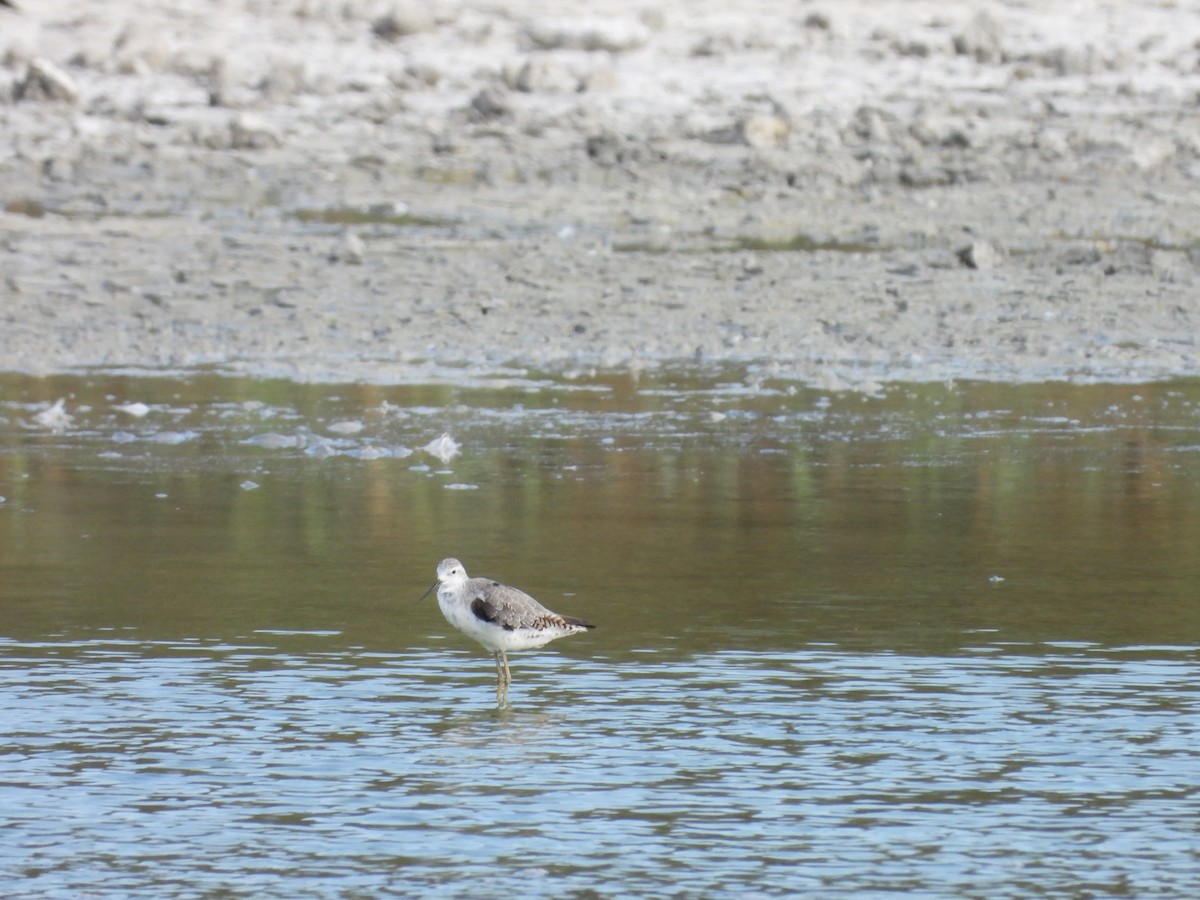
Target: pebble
{"points": [[489, 104], [544, 76], [47, 81], [600, 81], [445, 448], [172, 438], [55, 417], [980, 255], [609, 34], [251, 132], [764, 132], [982, 38], [353, 248], [274, 441], [403, 20]]}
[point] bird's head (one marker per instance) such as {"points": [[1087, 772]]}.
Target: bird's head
{"points": [[449, 572]]}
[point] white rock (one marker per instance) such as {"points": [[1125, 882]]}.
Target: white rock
{"points": [[600, 81], [544, 76], [353, 249], [980, 255], [490, 103], [764, 132], [275, 441], [982, 38], [445, 448], [171, 438], [320, 450], [45, 80], [404, 19], [251, 132], [611, 35], [56, 417], [137, 410]]}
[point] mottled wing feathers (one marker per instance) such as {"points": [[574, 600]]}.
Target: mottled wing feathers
{"points": [[486, 612], [512, 609]]}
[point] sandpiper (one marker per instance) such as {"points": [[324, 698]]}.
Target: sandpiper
{"points": [[500, 617]]}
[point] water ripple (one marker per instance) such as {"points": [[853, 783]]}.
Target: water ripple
{"points": [[184, 770]]}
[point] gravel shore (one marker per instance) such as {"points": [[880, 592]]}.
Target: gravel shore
{"points": [[842, 193]]}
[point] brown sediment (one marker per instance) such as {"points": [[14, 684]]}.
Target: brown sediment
{"points": [[846, 193]]}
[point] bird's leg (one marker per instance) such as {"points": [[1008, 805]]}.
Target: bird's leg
{"points": [[499, 680], [507, 677]]}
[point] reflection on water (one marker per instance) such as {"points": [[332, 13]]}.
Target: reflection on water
{"points": [[943, 641]]}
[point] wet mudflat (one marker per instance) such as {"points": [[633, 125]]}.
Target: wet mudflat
{"points": [[940, 640]]}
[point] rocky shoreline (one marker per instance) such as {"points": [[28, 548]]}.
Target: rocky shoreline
{"points": [[845, 194]]}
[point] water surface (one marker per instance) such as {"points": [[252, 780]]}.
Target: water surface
{"points": [[942, 641]]}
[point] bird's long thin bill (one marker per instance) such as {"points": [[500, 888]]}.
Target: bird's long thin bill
{"points": [[426, 594]]}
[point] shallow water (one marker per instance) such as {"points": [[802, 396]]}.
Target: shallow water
{"points": [[943, 641]]}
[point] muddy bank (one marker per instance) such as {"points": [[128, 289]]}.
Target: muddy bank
{"points": [[842, 193]]}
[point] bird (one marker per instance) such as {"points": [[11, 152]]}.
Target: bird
{"points": [[500, 617]]}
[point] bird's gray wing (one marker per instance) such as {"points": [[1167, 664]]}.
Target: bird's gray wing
{"points": [[508, 607]]}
